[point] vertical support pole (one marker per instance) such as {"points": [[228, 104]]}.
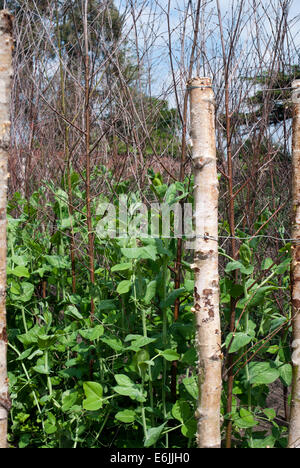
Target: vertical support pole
{"points": [[6, 45], [206, 292], [294, 432]]}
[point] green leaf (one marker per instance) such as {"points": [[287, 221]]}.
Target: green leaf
{"points": [[171, 194], [73, 312], [247, 270], [25, 354], [150, 252], [127, 416], [50, 424], [122, 267], [191, 386], [69, 399], [246, 419], [231, 266], [277, 322], [15, 288], [270, 413], [140, 361], [259, 296], [236, 265], [169, 354], [171, 298], [273, 349], [140, 342], [266, 263], [264, 442], [45, 341], [41, 271], [21, 260], [24, 440], [92, 334], [237, 389], [58, 261], [27, 292], [124, 287], [20, 271], [190, 357], [66, 223], [113, 343], [124, 380], [41, 369], [245, 253], [93, 392], [153, 435], [239, 341], [286, 373], [108, 304], [181, 411], [189, 285], [189, 429], [139, 253], [150, 292], [133, 392], [283, 266], [61, 197], [236, 290], [127, 387], [132, 337], [262, 373], [31, 336]]}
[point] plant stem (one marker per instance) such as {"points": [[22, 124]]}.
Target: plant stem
{"points": [[24, 320], [249, 397], [144, 325], [164, 339], [143, 412], [49, 383]]}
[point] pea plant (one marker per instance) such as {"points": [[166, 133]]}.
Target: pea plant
{"points": [[260, 343], [103, 380]]}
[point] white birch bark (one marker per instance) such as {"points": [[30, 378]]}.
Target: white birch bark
{"points": [[6, 45], [294, 430], [206, 293]]}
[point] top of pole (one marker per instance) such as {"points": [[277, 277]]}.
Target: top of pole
{"points": [[295, 92], [6, 21], [199, 83], [296, 84]]}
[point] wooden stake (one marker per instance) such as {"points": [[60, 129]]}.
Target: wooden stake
{"points": [[206, 293], [294, 432], [6, 46]]}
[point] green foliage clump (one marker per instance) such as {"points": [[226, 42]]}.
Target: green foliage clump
{"points": [[78, 380]]}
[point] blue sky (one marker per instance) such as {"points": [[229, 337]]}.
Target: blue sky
{"points": [[153, 39]]}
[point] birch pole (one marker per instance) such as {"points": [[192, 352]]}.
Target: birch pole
{"points": [[294, 432], [206, 292], [6, 45]]}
